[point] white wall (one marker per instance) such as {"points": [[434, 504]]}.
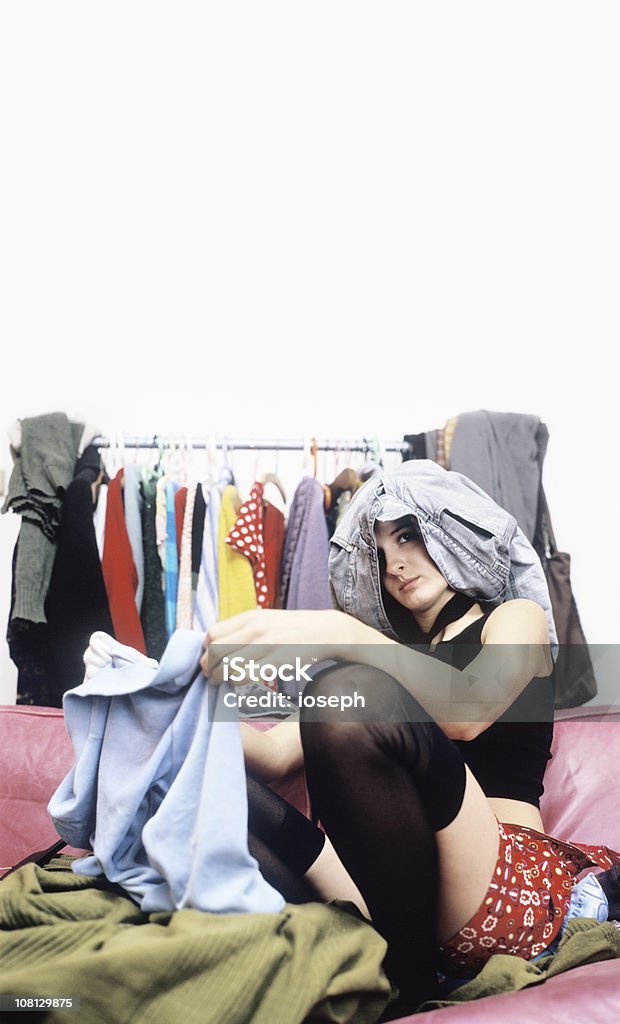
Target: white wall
{"points": [[332, 219]]}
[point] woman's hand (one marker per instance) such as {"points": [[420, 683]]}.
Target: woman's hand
{"points": [[103, 649], [272, 636]]}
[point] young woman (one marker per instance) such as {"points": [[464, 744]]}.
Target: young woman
{"points": [[430, 796]]}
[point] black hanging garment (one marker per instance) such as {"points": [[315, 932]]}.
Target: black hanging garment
{"points": [[417, 447], [76, 603], [152, 613]]}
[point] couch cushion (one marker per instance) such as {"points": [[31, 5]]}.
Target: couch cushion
{"points": [[580, 801], [35, 755], [585, 995]]}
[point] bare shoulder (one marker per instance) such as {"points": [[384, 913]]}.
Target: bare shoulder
{"points": [[522, 626], [517, 621]]}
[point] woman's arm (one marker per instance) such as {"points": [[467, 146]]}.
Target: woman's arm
{"points": [[515, 649], [465, 703]]}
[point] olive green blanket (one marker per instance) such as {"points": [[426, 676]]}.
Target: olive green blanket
{"points": [[63, 934], [585, 941]]}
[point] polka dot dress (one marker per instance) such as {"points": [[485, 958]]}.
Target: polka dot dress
{"points": [[246, 536]]}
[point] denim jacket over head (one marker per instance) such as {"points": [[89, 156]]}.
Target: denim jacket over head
{"points": [[476, 545]]}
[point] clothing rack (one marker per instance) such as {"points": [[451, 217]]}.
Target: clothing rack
{"points": [[260, 444]]}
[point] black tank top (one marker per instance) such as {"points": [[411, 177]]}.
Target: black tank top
{"points": [[509, 758]]}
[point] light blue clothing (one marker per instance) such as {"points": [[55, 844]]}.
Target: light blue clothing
{"points": [[206, 610], [476, 545], [587, 900], [158, 791], [133, 522], [171, 560]]}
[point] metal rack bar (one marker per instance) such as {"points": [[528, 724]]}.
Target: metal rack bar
{"points": [[258, 444]]}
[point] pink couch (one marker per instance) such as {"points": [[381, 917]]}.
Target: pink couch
{"points": [[581, 803]]}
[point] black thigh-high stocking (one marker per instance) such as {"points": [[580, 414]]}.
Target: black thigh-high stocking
{"points": [[382, 787], [284, 842]]}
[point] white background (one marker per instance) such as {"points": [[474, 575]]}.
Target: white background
{"points": [[334, 218]]}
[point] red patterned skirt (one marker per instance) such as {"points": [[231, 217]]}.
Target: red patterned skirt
{"points": [[526, 901]]}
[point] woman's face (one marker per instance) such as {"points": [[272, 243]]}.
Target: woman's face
{"points": [[410, 576]]}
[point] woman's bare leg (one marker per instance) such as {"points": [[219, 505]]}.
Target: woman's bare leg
{"points": [[467, 850], [331, 880]]}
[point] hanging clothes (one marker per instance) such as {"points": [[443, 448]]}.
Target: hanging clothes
{"points": [[440, 450], [77, 604], [236, 579], [198, 528], [119, 571], [44, 457], [273, 537], [207, 610], [133, 523], [417, 447], [28, 644], [44, 450], [153, 612], [180, 501], [99, 517], [171, 558], [431, 444], [161, 515], [339, 494], [503, 453], [306, 547], [184, 592], [575, 679], [246, 536], [448, 437]]}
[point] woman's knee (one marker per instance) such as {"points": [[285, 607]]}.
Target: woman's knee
{"points": [[330, 729], [372, 696], [388, 722]]}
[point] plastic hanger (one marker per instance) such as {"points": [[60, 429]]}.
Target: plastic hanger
{"points": [[371, 466], [226, 475], [211, 462], [121, 449], [185, 451], [314, 452], [171, 459], [115, 449], [306, 456], [273, 478], [158, 444]]}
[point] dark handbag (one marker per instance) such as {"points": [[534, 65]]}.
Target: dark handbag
{"points": [[575, 682], [39, 857]]}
